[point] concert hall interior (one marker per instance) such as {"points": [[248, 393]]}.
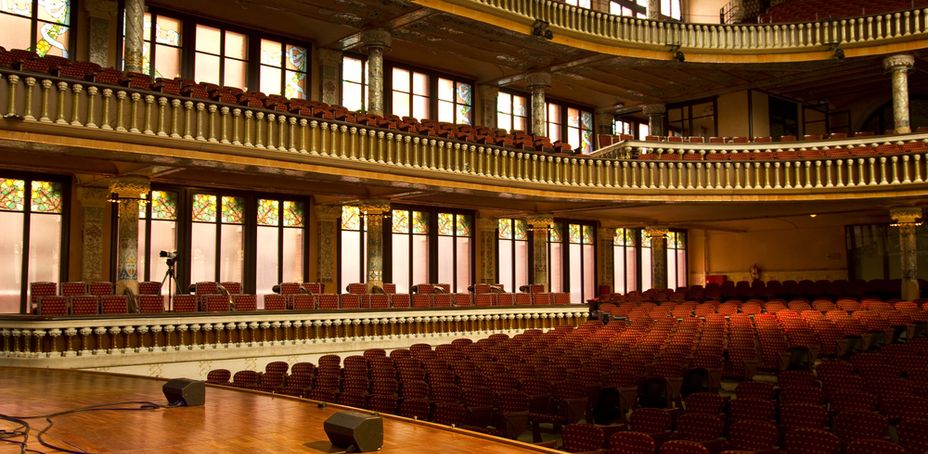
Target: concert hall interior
{"points": [[624, 226]]}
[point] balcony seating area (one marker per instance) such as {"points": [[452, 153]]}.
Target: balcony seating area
{"points": [[80, 298], [821, 10], [649, 381], [29, 62]]}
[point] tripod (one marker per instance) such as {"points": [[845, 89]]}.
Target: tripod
{"points": [[171, 280]]}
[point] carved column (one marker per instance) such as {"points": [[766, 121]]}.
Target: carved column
{"points": [[135, 27], [374, 210], [102, 25], [655, 113], [538, 83], [129, 190], [486, 105], [375, 42], [327, 235], [540, 224], [606, 259], [330, 62], [907, 219], [654, 9], [899, 67], [604, 124], [658, 237], [93, 211], [486, 234]]}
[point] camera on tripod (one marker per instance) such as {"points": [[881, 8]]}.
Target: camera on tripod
{"points": [[169, 256]]}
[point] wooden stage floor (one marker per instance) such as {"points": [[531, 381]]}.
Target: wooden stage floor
{"points": [[230, 421]]}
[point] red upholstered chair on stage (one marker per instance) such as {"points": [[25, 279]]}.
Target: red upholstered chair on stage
{"points": [[114, 304], [151, 304], [73, 288], [38, 290], [149, 288], [245, 302], [218, 377], [185, 303], [85, 305], [101, 288], [275, 302], [52, 305]]}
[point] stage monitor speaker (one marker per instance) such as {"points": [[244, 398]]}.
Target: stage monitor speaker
{"points": [[356, 432], [184, 392]]}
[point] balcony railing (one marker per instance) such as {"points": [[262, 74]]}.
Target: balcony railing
{"points": [[708, 38], [104, 342], [47, 105]]}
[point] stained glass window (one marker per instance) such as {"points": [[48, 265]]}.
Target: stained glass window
{"points": [[587, 234], [573, 233], [580, 129], [420, 222], [511, 112], [505, 228], [293, 214], [351, 218], [463, 227], [454, 101], [46, 197], [161, 54], [283, 69], [12, 194], [233, 210], [268, 212], [555, 234], [42, 26], [445, 224], [164, 205], [521, 230], [400, 220], [204, 208]]}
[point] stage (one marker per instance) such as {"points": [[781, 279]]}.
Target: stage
{"points": [[232, 420]]}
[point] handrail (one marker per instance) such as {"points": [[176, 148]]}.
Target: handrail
{"points": [[41, 103], [704, 38]]}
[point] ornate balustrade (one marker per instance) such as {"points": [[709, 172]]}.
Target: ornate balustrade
{"points": [[97, 120], [734, 41], [108, 342]]}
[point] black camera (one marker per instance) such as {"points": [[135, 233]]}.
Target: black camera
{"points": [[170, 255]]}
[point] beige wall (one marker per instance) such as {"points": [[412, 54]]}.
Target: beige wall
{"points": [[760, 104], [781, 254], [703, 11], [733, 114]]}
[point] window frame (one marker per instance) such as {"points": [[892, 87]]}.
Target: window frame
{"points": [[684, 126], [528, 111], [363, 83], [433, 76], [565, 127], [281, 227], [638, 11], [34, 22], [514, 284], [566, 265]]}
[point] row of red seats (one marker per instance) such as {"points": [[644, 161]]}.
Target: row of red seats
{"points": [[815, 10], [28, 61]]}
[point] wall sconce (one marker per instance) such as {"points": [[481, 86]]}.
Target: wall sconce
{"points": [[676, 53], [116, 198], [540, 29], [836, 50]]}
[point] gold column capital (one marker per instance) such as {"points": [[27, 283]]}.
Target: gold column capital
{"points": [[374, 206], [130, 186], [902, 62], [485, 224], [657, 230], [90, 196], [328, 212], [539, 79], [906, 215], [376, 38], [539, 221]]}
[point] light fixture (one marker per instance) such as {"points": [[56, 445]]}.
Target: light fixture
{"points": [[540, 29], [676, 53], [116, 198], [813, 215], [836, 50]]}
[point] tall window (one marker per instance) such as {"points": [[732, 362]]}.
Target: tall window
{"points": [[217, 246], [645, 261], [410, 94], [455, 250], [580, 130], [553, 121], [31, 216], [162, 51], [283, 69], [632, 127], [581, 262], [157, 232], [555, 256], [221, 57], [580, 3], [279, 254], [693, 119], [354, 83], [671, 9], [676, 260], [625, 260], [629, 8], [455, 100], [40, 25], [410, 248], [511, 112], [353, 241], [513, 254]]}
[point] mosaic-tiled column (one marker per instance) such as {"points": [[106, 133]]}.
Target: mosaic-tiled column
{"points": [[135, 24], [655, 113], [327, 237], [654, 9], [486, 105], [486, 234], [376, 43], [374, 211], [540, 224], [93, 202], [538, 83], [604, 124], [899, 67], [129, 191], [330, 62], [606, 261], [907, 219], [102, 25], [658, 237]]}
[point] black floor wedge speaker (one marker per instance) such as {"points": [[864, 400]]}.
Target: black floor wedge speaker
{"points": [[353, 431], [184, 392]]}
